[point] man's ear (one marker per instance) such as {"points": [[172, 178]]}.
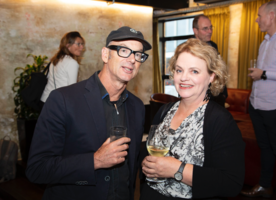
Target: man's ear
{"points": [[195, 31], [105, 54], [271, 15]]}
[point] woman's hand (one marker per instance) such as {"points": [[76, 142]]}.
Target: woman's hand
{"points": [[160, 167]]}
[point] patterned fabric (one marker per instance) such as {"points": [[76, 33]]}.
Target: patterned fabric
{"points": [[187, 144]]}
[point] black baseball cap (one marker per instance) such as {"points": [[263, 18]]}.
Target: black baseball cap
{"points": [[127, 33]]}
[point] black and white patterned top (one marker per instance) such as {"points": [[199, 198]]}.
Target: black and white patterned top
{"points": [[187, 145]]}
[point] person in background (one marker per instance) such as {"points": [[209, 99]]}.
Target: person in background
{"points": [[65, 63], [206, 156], [262, 107], [203, 30], [71, 149]]}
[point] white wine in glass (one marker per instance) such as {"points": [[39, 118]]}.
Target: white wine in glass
{"points": [[157, 145], [158, 151]]}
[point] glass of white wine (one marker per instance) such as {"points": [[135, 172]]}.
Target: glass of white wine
{"points": [[158, 145]]}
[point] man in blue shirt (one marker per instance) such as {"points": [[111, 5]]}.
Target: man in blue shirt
{"points": [[262, 107]]}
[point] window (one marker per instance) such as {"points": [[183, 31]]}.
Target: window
{"points": [[172, 33]]}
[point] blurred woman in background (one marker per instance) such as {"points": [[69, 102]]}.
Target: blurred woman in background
{"points": [[65, 63]]}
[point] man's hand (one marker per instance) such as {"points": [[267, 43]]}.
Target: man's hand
{"points": [[111, 153], [255, 74]]}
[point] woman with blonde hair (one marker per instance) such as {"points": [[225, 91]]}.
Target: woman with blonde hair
{"points": [[65, 63], [206, 155]]}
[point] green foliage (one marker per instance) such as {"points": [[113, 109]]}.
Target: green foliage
{"points": [[21, 110]]}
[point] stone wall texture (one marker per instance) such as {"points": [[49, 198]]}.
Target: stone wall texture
{"points": [[36, 27], [233, 45]]}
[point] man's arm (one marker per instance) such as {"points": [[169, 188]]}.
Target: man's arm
{"points": [[47, 161], [256, 74]]}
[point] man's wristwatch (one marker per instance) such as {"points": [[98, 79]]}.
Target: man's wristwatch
{"points": [[263, 76], [178, 175]]}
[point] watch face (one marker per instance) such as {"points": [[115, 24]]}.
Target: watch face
{"points": [[178, 176]]}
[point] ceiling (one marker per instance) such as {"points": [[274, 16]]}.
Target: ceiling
{"points": [[167, 5], [209, 1], [159, 4]]}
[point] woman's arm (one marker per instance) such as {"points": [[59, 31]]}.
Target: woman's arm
{"points": [[166, 167], [223, 171], [72, 68]]}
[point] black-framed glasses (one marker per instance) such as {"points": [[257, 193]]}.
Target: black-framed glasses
{"points": [[126, 52]]}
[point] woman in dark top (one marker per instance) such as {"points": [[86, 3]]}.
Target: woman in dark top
{"points": [[206, 156]]}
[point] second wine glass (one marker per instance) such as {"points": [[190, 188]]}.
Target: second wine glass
{"points": [[157, 145]]}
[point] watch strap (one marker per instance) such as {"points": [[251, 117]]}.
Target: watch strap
{"points": [[263, 76], [178, 175], [181, 168]]}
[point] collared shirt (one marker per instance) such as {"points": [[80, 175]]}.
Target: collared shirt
{"points": [[116, 116], [263, 95]]}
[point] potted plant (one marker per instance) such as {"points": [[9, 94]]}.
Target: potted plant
{"points": [[26, 116]]}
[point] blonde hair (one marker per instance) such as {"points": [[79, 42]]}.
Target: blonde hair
{"points": [[213, 61]]}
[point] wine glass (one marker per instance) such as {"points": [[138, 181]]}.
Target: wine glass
{"points": [[157, 145]]}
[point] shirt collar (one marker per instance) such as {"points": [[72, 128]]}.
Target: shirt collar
{"points": [[267, 37], [104, 93]]}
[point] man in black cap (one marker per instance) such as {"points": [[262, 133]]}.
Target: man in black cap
{"points": [[71, 150]]}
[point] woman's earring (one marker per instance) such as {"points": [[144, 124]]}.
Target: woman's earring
{"points": [[208, 94]]}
